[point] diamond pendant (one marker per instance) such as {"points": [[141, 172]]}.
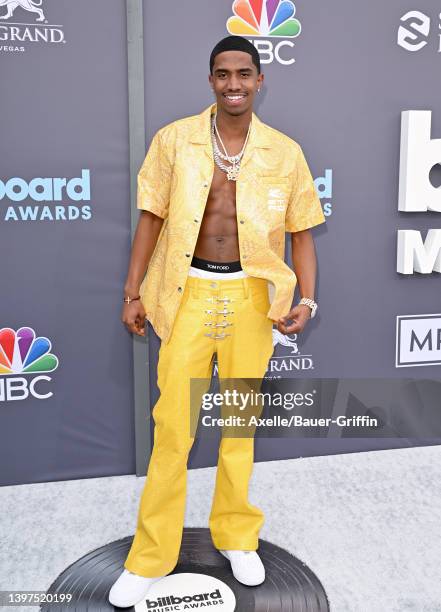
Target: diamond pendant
{"points": [[233, 173]]}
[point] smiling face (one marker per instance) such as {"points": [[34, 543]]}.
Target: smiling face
{"points": [[235, 81]]}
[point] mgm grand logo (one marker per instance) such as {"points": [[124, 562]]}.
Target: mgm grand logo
{"points": [[13, 32]]}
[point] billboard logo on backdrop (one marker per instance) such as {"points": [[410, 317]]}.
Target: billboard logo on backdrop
{"points": [[14, 33], [418, 340], [43, 191], [418, 337], [258, 19], [419, 155], [323, 185], [22, 353]]}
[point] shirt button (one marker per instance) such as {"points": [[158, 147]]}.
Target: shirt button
{"points": [[196, 220], [187, 254], [242, 221], [179, 289], [205, 185]]}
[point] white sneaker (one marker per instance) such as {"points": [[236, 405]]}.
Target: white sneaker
{"points": [[130, 589], [246, 566]]}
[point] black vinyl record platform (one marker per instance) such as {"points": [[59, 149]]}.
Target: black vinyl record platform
{"points": [[290, 586]]}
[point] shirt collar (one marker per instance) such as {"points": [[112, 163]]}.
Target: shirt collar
{"points": [[201, 134]]}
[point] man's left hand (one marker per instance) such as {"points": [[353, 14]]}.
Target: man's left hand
{"points": [[299, 316]]}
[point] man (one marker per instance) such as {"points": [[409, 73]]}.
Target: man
{"points": [[217, 193]]}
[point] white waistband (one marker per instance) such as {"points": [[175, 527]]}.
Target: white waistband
{"points": [[196, 272]]}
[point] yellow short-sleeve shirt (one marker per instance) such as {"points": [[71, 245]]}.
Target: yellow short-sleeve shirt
{"points": [[275, 194]]}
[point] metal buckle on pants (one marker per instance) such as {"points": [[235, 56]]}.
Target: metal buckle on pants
{"points": [[216, 299], [223, 324], [216, 336]]}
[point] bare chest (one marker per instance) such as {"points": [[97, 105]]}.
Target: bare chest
{"points": [[221, 199]]}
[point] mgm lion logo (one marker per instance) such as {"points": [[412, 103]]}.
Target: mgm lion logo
{"points": [[285, 340], [28, 5]]}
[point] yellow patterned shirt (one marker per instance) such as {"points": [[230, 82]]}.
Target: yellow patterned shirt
{"points": [[275, 194]]}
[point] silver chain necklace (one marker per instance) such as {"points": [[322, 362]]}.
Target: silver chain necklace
{"points": [[235, 160]]}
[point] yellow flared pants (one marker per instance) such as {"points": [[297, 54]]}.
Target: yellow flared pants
{"points": [[226, 317]]}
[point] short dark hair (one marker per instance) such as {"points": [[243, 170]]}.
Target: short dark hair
{"points": [[235, 43]]}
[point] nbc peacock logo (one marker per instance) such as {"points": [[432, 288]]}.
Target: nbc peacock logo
{"points": [[273, 18], [266, 19], [22, 353]]}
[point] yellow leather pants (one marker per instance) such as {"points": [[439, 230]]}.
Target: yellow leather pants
{"points": [[227, 317]]}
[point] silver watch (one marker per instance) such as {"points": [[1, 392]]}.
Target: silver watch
{"points": [[313, 305]]}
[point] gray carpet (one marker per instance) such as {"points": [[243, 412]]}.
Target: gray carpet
{"points": [[368, 524]]}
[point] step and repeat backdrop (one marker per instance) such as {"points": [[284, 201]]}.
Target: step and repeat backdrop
{"points": [[355, 86], [338, 78], [66, 383]]}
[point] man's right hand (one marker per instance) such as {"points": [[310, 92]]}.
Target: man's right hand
{"points": [[133, 317]]}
